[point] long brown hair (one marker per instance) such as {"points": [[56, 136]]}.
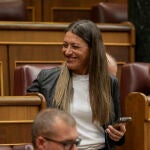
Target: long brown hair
{"points": [[99, 80]]}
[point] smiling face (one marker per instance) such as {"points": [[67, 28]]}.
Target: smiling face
{"points": [[76, 52]]}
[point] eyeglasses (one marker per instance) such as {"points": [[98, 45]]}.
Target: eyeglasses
{"points": [[67, 144]]}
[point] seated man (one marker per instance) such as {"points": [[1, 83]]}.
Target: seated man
{"points": [[54, 129]]}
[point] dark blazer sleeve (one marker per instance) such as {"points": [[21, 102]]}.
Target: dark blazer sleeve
{"points": [[45, 84], [115, 95]]}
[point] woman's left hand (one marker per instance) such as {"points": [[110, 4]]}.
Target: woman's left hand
{"points": [[117, 131]]}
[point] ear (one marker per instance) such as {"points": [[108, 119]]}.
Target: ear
{"points": [[40, 143]]}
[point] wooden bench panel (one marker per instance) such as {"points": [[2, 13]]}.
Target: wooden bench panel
{"points": [[18, 133], [16, 117], [137, 105]]}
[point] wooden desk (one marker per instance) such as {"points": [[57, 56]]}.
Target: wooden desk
{"points": [[29, 41]]}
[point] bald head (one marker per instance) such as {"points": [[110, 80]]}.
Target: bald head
{"points": [[47, 121]]}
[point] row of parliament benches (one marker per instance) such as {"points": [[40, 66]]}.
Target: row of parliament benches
{"points": [[33, 43], [40, 44]]}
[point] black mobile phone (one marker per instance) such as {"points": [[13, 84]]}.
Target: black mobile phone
{"points": [[124, 119], [121, 120]]}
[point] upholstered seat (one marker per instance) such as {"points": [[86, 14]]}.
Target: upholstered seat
{"points": [[135, 77], [107, 12], [12, 10], [25, 74]]}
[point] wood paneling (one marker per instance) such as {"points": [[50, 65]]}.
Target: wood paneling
{"points": [[34, 10], [56, 10], [1, 80], [61, 7], [118, 1], [70, 13], [5, 69]]}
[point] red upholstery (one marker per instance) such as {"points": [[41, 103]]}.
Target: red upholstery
{"points": [[135, 77], [107, 12], [12, 10], [25, 74]]}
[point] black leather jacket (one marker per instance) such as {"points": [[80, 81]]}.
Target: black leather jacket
{"points": [[46, 81]]}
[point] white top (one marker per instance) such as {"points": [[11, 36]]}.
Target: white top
{"points": [[92, 136]]}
